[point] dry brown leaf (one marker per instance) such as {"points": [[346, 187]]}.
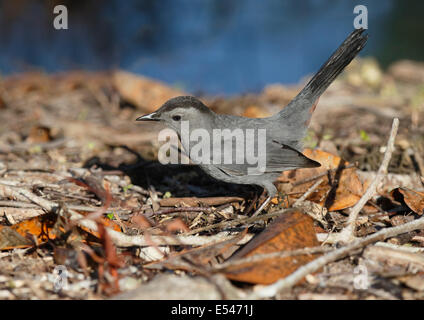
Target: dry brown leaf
{"points": [[413, 199], [144, 93], [41, 228], [39, 134], [344, 190], [176, 225], [292, 230], [11, 239], [141, 222]]}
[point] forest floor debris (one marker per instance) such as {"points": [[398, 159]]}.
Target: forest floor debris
{"points": [[81, 189]]}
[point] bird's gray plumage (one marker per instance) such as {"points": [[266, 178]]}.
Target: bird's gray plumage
{"points": [[284, 130]]}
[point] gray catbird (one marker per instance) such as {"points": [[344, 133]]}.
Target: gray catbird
{"points": [[283, 132]]}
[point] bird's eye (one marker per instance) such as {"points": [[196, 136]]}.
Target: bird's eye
{"points": [[176, 118]]}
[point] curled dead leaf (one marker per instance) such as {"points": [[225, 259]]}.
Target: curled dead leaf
{"points": [[413, 199], [290, 231], [340, 189]]}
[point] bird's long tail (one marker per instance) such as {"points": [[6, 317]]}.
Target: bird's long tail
{"points": [[307, 98]]}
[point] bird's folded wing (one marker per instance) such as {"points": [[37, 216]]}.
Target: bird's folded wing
{"points": [[282, 157], [279, 157]]}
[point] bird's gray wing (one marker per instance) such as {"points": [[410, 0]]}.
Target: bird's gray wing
{"points": [[279, 157], [282, 157]]}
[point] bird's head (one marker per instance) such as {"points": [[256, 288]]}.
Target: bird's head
{"points": [[179, 109]]}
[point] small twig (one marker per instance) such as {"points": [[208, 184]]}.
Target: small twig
{"points": [[23, 147], [20, 214], [26, 205], [93, 209], [236, 222], [22, 195], [315, 265], [347, 234], [305, 205], [182, 209], [399, 247], [17, 204], [419, 160], [308, 192]]}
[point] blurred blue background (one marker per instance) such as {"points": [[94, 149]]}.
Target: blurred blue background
{"points": [[203, 46]]}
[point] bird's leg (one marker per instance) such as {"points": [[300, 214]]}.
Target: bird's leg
{"points": [[263, 205]]}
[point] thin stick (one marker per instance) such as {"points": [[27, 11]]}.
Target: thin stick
{"points": [[26, 205], [236, 222], [307, 193], [182, 209], [315, 265], [347, 234], [23, 194], [17, 204]]}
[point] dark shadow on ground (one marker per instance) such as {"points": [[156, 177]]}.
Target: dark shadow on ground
{"points": [[179, 180]]}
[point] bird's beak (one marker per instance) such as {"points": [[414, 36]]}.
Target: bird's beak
{"points": [[149, 117]]}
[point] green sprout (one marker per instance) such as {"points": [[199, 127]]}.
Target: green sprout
{"points": [[110, 216], [364, 136], [91, 145]]}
